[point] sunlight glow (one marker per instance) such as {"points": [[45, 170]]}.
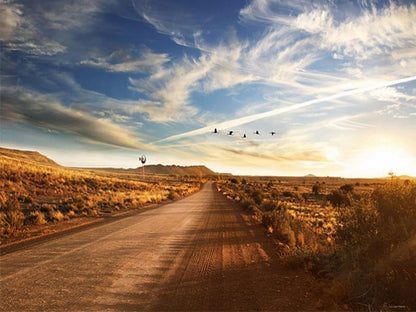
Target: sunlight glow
{"points": [[380, 160]]}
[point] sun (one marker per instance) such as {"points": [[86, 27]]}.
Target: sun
{"points": [[380, 160]]}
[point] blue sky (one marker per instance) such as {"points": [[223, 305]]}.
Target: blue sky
{"points": [[98, 83]]}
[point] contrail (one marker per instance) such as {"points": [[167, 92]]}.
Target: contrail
{"points": [[243, 120]]}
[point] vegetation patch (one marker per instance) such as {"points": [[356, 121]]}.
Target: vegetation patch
{"points": [[361, 235], [42, 193]]}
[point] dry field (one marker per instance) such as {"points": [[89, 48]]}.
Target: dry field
{"points": [[38, 196], [358, 233]]}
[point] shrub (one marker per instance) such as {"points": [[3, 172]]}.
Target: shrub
{"points": [[288, 194], [38, 218], [316, 188], [246, 203], [268, 205], [376, 239], [257, 196], [11, 218], [56, 215], [173, 195], [279, 221], [339, 198], [347, 188]]}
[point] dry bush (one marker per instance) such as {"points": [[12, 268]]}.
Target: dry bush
{"points": [[56, 215], [173, 195], [376, 246], [11, 217], [36, 218]]}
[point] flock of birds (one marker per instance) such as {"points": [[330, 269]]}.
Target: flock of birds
{"points": [[231, 132]]}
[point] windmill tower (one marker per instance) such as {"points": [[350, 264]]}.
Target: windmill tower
{"points": [[143, 161]]}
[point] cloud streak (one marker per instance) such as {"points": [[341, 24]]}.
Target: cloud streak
{"points": [[120, 61], [278, 111], [38, 110]]}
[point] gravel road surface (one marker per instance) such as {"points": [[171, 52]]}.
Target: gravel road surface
{"points": [[194, 254]]}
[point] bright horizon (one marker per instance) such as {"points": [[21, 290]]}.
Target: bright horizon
{"points": [[99, 83]]}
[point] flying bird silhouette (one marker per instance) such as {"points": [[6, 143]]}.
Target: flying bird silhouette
{"points": [[244, 136], [215, 130], [273, 132], [257, 132], [230, 133]]}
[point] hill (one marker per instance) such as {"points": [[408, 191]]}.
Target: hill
{"points": [[37, 158], [26, 156], [178, 170]]}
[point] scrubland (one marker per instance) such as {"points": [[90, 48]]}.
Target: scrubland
{"points": [[360, 235], [35, 195]]}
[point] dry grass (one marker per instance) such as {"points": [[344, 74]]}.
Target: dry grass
{"points": [[37, 194], [359, 234]]}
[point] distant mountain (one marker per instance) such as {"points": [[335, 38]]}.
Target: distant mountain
{"points": [[178, 170], [26, 156], [310, 175]]}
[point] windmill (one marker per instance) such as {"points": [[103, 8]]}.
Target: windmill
{"points": [[143, 161]]}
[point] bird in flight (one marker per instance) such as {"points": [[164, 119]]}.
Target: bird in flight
{"points": [[244, 136], [230, 133], [215, 130], [257, 132], [273, 132]]}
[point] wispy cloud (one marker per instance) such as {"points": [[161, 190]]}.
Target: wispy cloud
{"points": [[391, 94], [41, 27], [164, 16], [120, 61], [290, 45], [278, 111], [169, 90], [11, 17], [396, 103], [372, 31], [35, 109]]}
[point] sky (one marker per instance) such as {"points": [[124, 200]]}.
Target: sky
{"points": [[99, 83]]}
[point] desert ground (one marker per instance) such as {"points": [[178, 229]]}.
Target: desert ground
{"points": [[112, 239]]}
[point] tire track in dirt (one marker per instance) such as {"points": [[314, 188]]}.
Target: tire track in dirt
{"points": [[232, 266]]}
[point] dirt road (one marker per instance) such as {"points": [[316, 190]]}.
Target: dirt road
{"points": [[193, 254]]}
